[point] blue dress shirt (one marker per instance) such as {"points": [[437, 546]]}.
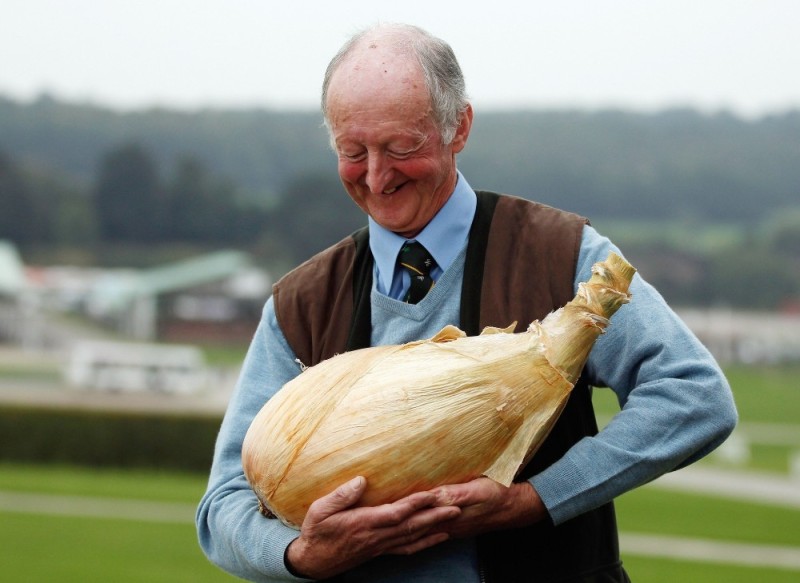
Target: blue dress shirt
{"points": [[443, 237]]}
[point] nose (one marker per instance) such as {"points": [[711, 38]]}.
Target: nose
{"points": [[379, 172]]}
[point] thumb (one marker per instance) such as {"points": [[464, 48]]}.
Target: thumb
{"points": [[342, 498]]}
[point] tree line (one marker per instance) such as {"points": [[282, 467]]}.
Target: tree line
{"points": [[677, 163], [128, 201], [86, 177], [133, 199]]}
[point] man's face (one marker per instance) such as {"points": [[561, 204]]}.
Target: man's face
{"points": [[392, 161]]}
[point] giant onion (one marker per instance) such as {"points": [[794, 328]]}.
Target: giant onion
{"points": [[414, 416]]}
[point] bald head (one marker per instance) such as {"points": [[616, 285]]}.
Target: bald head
{"points": [[376, 71], [399, 51]]}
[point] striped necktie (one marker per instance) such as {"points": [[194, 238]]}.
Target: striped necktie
{"points": [[418, 262]]}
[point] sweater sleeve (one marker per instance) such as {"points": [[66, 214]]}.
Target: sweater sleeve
{"points": [[676, 405], [232, 532]]}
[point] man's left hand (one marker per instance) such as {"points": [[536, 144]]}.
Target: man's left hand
{"points": [[487, 505]]}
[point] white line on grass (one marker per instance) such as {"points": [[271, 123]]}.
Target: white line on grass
{"points": [[749, 486], [182, 513], [708, 551], [82, 506]]}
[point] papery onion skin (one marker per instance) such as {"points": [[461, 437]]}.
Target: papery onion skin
{"points": [[415, 416]]}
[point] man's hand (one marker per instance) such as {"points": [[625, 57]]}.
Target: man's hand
{"points": [[336, 535], [487, 505]]}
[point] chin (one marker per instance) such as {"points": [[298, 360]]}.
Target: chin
{"points": [[391, 221]]}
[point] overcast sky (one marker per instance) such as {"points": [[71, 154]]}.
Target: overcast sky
{"points": [[740, 55]]}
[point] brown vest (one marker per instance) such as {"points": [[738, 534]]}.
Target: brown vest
{"points": [[520, 265]]}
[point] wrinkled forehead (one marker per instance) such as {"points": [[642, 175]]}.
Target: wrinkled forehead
{"points": [[374, 86], [376, 69]]}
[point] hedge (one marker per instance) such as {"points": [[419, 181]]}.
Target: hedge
{"points": [[104, 438]]}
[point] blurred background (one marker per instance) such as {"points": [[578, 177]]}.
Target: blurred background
{"points": [[163, 163]]}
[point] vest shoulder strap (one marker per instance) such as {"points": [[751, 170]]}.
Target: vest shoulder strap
{"points": [[314, 302], [525, 260]]}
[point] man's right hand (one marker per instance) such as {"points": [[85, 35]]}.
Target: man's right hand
{"points": [[336, 535]]}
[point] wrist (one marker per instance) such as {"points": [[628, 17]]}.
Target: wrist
{"points": [[290, 556], [529, 506]]}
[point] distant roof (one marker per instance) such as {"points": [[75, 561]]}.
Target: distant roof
{"points": [[193, 272], [117, 290], [12, 270]]}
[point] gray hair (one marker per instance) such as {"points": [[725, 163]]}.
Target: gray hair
{"points": [[443, 76]]}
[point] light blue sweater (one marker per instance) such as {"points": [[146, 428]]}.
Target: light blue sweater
{"points": [[676, 407]]}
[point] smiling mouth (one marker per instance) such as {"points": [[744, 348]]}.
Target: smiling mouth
{"points": [[393, 189]]}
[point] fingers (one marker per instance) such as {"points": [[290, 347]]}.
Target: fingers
{"points": [[348, 495], [342, 498], [419, 531], [419, 544], [394, 513], [423, 521], [474, 492], [487, 505], [338, 534]]}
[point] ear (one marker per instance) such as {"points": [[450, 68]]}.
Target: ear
{"points": [[462, 132]]}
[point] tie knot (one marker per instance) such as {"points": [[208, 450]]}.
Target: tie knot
{"points": [[418, 262]]}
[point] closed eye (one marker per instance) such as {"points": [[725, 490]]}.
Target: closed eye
{"points": [[353, 157]]}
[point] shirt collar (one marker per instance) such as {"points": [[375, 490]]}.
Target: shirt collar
{"points": [[444, 236]]}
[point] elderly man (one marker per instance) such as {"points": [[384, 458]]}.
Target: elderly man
{"points": [[395, 106]]}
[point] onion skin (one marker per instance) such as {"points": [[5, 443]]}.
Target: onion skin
{"points": [[419, 415]]}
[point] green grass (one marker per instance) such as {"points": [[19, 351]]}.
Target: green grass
{"points": [[47, 548], [647, 510], [655, 511], [91, 549], [766, 394], [50, 548], [771, 458], [36, 547], [43, 548], [763, 395], [23, 373], [14, 366], [650, 570], [678, 234], [223, 355], [228, 355], [101, 482]]}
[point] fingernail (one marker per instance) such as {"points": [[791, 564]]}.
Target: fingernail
{"points": [[357, 483]]}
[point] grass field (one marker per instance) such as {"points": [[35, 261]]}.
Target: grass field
{"points": [[768, 400], [49, 547], [37, 544]]}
